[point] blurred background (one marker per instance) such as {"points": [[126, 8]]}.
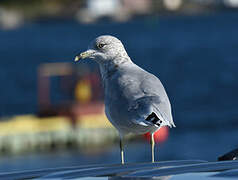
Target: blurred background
{"points": [[51, 109]]}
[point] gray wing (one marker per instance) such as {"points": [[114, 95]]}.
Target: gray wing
{"points": [[134, 96], [153, 108]]}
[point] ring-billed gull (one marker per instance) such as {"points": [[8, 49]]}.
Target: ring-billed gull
{"points": [[135, 100]]}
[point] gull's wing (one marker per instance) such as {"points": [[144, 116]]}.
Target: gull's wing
{"points": [[134, 96], [154, 105]]}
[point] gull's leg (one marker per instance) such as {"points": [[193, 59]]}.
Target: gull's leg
{"points": [[121, 149], [152, 142]]}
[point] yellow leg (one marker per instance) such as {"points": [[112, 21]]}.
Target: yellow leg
{"points": [[122, 152], [152, 142]]}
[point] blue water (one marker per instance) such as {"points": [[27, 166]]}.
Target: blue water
{"points": [[180, 146], [194, 56]]}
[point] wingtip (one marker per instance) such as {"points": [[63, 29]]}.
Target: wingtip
{"points": [[173, 125]]}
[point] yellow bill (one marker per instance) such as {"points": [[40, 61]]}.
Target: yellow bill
{"points": [[82, 55]]}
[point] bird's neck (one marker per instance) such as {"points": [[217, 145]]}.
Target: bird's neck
{"points": [[108, 68]]}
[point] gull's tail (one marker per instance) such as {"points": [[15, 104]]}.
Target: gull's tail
{"points": [[153, 112]]}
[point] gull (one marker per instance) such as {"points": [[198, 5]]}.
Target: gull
{"points": [[135, 100]]}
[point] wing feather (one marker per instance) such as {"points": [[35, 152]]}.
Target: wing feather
{"points": [[155, 100]]}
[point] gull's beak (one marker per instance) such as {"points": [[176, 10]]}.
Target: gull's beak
{"points": [[83, 55]]}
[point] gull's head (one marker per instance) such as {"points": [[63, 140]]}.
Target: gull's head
{"points": [[105, 49]]}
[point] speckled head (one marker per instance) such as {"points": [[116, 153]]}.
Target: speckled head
{"points": [[105, 49]]}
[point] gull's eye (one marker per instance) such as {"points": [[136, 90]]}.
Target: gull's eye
{"points": [[100, 45]]}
